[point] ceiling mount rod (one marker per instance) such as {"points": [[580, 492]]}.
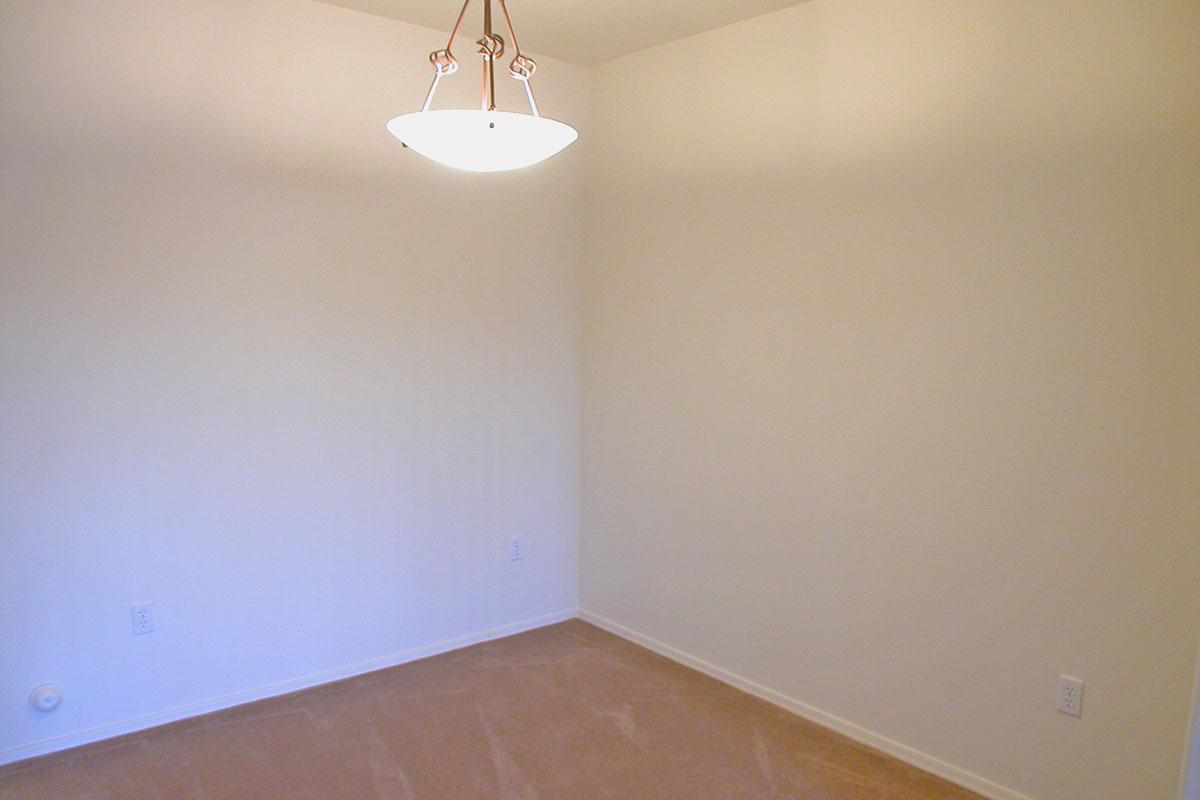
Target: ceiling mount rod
{"points": [[491, 47]]}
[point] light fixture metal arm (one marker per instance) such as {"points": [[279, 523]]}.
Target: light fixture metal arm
{"points": [[491, 47], [522, 67], [454, 32], [443, 61]]}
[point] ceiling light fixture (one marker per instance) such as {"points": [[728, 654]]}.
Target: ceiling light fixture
{"points": [[486, 140]]}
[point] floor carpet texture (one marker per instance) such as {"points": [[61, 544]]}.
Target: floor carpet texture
{"points": [[562, 712]]}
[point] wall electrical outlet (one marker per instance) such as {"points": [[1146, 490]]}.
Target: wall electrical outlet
{"points": [[1070, 695], [516, 548], [143, 619]]}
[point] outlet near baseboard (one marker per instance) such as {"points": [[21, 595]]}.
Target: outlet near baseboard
{"points": [[143, 619], [1070, 695], [516, 548]]}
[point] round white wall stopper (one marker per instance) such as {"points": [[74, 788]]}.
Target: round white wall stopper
{"points": [[46, 697]]}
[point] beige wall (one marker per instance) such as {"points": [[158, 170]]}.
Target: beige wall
{"points": [[262, 367], [889, 383], [891, 367]]}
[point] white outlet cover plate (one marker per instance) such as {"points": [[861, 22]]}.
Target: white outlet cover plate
{"points": [[1070, 695], [142, 619]]}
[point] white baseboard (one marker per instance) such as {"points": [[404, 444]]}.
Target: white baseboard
{"points": [[962, 777], [956, 775], [238, 698]]}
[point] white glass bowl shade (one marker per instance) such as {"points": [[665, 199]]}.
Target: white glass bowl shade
{"points": [[482, 141]]}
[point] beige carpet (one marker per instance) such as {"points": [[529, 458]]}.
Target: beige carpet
{"points": [[567, 711]]}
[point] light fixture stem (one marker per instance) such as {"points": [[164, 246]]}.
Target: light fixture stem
{"points": [[490, 67], [485, 101], [488, 48]]}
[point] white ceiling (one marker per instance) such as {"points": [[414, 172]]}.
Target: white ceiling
{"points": [[582, 31]]}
